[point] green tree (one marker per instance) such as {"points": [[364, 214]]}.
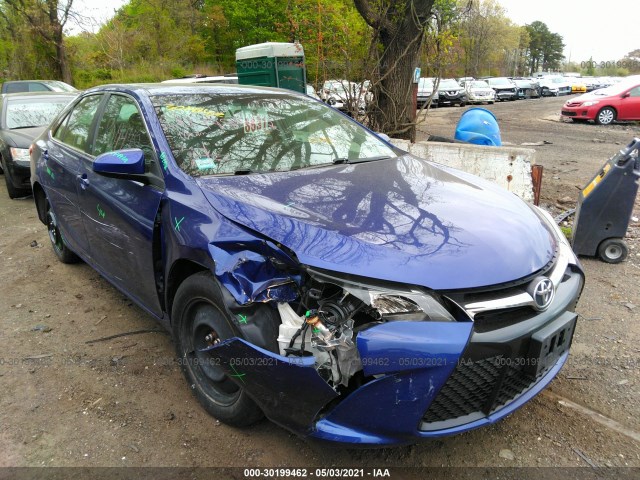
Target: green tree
{"points": [[545, 48], [45, 20]]}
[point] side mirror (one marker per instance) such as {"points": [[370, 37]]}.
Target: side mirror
{"points": [[120, 163], [384, 136], [627, 94]]}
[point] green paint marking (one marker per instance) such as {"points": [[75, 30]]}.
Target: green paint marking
{"points": [[121, 157], [50, 172], [243, 318], [316, 330], [101, 212], [178, 222], [163, 161], [237, 374]]}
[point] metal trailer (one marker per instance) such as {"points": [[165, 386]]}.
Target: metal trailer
{"points": [[605, 207]]}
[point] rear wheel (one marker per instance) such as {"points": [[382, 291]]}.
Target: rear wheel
{"points": [[613, 250], [60, 248], [605, 116], [200, 321]]}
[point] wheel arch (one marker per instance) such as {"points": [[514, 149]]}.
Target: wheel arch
{"points": [[180, 270], [40, 199]]}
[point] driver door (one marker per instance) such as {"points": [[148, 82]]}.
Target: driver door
{"points": [[119, 214]]}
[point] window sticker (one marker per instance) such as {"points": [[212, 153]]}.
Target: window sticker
{"points": [[205, 163]]}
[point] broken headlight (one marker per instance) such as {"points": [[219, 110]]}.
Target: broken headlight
{"points": [[408, 306]]}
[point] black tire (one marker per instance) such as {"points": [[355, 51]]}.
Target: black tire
{"points": [[606, 116], [613, 250], [491, 102], [544, 92], [60, 247], [198, 313], [11, 189]]}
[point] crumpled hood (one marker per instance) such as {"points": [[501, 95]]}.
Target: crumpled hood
{"points": [[403, 219]]}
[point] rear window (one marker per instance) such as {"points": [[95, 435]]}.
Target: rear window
{"points": [[33, 112], [213, 134]]}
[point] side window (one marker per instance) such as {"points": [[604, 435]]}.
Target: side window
{"points": [[634, 92], [37, 87], [74, 130], [122, 127]]}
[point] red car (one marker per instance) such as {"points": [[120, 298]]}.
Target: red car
{"points": [[606, 105]]}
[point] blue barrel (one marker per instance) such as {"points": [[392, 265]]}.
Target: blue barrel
{"points": [[479, 126]]}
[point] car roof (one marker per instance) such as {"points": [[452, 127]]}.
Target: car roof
{"points": [[168, 88], [10, 96]]}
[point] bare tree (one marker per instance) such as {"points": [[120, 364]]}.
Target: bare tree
{"points": [[47, 18], [399, 27]]}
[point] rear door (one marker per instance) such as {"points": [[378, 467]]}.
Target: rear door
{"points": [[119, 214], [67, 147], [629, 107]]}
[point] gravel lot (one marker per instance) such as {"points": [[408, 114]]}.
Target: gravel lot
{"points": [[68, 400]]}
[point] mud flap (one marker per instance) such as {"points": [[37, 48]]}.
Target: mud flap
{"points": [[287, 389]]}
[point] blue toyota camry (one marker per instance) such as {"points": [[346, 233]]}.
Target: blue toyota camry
{"points": [[309, 271]]}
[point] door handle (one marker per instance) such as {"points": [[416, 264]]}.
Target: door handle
{"points": [[84, 181]]}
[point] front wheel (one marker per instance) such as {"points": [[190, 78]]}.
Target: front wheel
{"points": [[613, 250], [606, 116], [200, 321], [60, 248]]}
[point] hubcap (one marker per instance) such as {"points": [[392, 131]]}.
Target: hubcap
{"points": [[606, 116], [613, 252]]}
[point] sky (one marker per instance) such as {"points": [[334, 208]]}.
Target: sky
{"points": [[605, 30]]}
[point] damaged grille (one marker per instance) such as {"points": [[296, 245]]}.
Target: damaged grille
{"points": [[480, 387]]}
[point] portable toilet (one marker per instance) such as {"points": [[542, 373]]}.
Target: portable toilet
{"points": [[272, 64]]}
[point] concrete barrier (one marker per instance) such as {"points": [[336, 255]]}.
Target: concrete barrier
{"points": [[509, 167]]}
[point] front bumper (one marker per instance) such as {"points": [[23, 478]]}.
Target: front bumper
{"points": [[421, 379], [19, 175], [580, 112]]}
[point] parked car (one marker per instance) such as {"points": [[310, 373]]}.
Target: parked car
{"points": [[591, 83], [479, 91], [426, 92], [578, 85], [343, 95], [307, 268], [505, 89], [312, 92], [554, 85], [606, 105], [198, 78], [527, 88], [17, 86], [451, 93], [23, 117]]}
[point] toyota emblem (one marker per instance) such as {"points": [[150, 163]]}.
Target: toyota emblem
{"points": [[542, 291]]}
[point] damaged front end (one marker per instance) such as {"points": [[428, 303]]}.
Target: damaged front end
{"points": [[312, 340]]}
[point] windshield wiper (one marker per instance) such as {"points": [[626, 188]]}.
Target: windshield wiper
{"points": [[337, 161], [244, 171], [25, 126]]}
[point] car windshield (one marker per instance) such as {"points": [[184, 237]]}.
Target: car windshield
{"points": [[499, 81], [61, 86], [33, 112], [448, 84], [425, 83], [211, 134], [616, 89], [479, 84]]}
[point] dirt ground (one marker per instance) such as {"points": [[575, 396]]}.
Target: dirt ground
{"points": [[68, 401]]}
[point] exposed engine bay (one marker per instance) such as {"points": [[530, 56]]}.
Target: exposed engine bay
{"points": [[320, 314]]}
